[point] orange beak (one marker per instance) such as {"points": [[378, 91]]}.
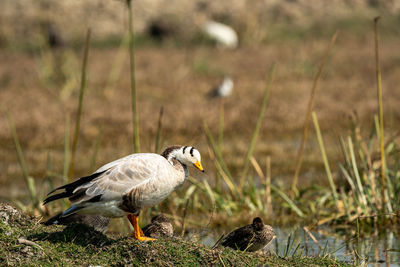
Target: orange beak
{"points": [[198, 166]]}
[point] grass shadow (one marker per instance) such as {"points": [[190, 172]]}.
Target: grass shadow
{"points": [[78, 234]]}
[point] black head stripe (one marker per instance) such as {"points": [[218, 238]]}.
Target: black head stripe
{"points": [[191, 151], [184, 149]]}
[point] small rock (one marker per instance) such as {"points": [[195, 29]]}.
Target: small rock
{"points": [[9, 214], [27, 250]]}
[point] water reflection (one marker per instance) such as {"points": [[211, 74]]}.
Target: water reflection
{"points": [[371, 251]]}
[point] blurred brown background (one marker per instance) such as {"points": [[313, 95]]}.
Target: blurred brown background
{"points": [[176, 66]]}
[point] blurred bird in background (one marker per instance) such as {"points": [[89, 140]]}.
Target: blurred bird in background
{"points": [[224, 89], [222, 34]]}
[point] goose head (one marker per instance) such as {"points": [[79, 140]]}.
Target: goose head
{"points": [[187, 155]]}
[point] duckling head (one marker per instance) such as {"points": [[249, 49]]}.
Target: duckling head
{"points": [[258, 224]]}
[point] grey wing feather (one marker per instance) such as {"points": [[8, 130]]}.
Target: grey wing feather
{"points": [[123, 175], [115, 162]]}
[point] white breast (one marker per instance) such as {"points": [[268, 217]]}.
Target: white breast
{"points": [[156, 190]]}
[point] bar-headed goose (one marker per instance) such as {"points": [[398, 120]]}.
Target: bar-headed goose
{"points": [[125, 186]]}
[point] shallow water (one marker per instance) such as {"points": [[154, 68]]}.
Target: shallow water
{"points": [[375, 251]]}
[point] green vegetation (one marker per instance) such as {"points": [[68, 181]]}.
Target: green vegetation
{"points": [[23, 241]]}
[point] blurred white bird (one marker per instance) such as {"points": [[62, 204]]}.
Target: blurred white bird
{"points": [[223, 34], [223, 90]]}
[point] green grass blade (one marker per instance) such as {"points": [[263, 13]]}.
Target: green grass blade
{"points": [[209, 192], [389, 188], [66, 150], [356, 174], [258, 124], [17, 146], [29, 180], [286, 251], [325, 249], [294, 237], [348, 178], [80, 105], [380, 104], [135, 114], [344, 151], [296, 249], [221, 124], [217, 152], [231, 185], [288, 200], [325, 158], [159, 127], [220, 137]]}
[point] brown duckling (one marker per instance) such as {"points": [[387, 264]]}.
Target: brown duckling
{"points": [[251, 237], [160, 226]]}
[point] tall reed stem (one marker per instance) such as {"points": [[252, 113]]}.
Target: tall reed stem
{"points": [[158, 134], [325, 158], [135, 116], [80, 105], [66, 150], [380, 104], [221, 124], [300, 153]]}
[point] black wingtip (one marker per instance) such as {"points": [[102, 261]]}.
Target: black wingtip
{"points": [[55, 197], [69, 188]]}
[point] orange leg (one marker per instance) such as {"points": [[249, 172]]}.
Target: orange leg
{"points": [[138, 234]]}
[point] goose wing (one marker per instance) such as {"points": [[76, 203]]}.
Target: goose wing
{"points": [[126, 175], [114, 179]]}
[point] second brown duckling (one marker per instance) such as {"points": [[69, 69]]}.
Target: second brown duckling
{"points": [[160, 226], [252, 237]]}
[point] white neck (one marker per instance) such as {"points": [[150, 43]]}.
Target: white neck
{"points": [[177, 155]]}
